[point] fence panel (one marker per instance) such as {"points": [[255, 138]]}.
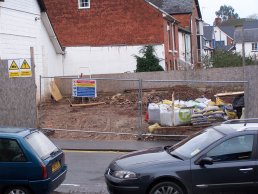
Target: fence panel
{"points": [[123, 112], [111, 113], [182, 93], [17, 99]]}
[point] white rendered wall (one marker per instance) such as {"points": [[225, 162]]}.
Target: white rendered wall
{"points": [[20, 29], [248, 49], [51, 61], [104, 60], [220, 35]]}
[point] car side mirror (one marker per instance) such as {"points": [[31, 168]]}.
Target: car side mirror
{"points": [[206, 161]]}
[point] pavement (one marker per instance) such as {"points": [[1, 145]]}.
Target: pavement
{"points": [[119, 146]]}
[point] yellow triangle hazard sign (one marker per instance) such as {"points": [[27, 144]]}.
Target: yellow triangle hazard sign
{"points": [[25, 65], [14, 66]]}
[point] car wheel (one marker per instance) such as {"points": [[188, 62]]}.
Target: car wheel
{"points": [[166, 188], [17, 190]]}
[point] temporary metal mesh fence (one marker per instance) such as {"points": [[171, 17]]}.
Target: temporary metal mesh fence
{"points": [[119, 110], [111, 114]]}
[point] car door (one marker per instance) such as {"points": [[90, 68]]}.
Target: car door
{"points": [[233, 166], [14, 165]]}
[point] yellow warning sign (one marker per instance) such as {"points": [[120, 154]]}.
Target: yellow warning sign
{"points": [[13, 66], [14, 74], [25, 65], [19, 68], [25, 73]]}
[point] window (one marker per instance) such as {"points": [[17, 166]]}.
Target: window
{"points": [[255, 46], [10, 151], [41, 144], [194, 144], [219, 44], [237, 148], [83, 4]]}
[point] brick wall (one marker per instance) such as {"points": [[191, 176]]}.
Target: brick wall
{"points": [[229, 41], [119, 22], [194, 37], [171, 43], [185, 20], [188, 21]]}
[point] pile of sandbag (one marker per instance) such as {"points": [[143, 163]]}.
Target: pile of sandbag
{"points": [[196, 112], [167, 115]]}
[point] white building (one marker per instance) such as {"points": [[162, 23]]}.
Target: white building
{"points": [[25, 24], [218, 38], [250, 42]]}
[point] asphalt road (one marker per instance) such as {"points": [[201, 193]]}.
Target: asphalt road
{"points": [[86, 172]]}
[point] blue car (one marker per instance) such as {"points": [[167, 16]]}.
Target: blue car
{"points": [[29, 162]]}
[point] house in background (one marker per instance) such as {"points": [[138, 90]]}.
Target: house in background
{"points": [[218, 38], [188, 13], [25, 24], [102, 36], [250, 38], [227, 36]]}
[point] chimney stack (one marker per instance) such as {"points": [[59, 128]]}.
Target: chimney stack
{"points": [[217, 21]]}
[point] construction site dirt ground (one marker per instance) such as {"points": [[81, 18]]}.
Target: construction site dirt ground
{"points": [[118, 114]]}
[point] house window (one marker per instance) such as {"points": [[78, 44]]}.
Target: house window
{"points": [[83, 4], [255, 46], [219, 44]]}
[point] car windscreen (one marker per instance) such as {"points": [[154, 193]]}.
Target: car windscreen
{"points": [[41, 144], [194, 144]]}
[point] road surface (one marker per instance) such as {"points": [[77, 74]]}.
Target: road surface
{"points": [[86, 172]]}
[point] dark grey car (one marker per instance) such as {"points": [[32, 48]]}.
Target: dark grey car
{"points": [[221, 158]]}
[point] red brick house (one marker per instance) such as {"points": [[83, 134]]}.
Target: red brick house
{"points": [[88, 27], [188, 13]]}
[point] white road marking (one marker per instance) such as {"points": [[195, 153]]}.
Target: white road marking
{"points": [[74, 185]]}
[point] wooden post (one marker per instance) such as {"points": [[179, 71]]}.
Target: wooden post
{"points": [[173, 108]]}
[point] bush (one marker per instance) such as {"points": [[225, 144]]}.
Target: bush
{"points": [[149, 61], [226, 59]]}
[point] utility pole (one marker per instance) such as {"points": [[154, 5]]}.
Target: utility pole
{"points": [[243, 47], [240, 29]]}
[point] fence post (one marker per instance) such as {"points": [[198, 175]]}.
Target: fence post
{"points": [[40, 78], [140, 132], [246, 99]]}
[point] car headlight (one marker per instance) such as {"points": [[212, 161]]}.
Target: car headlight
{"points": [[124, 174]]}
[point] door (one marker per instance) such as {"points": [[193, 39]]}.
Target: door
{"points": [[13, 162], [233, 167]]}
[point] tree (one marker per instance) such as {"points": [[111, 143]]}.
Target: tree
{"points": [[149, 61], [226, 13]]}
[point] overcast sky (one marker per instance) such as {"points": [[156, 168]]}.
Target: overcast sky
{"points": [[244, 8]]}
